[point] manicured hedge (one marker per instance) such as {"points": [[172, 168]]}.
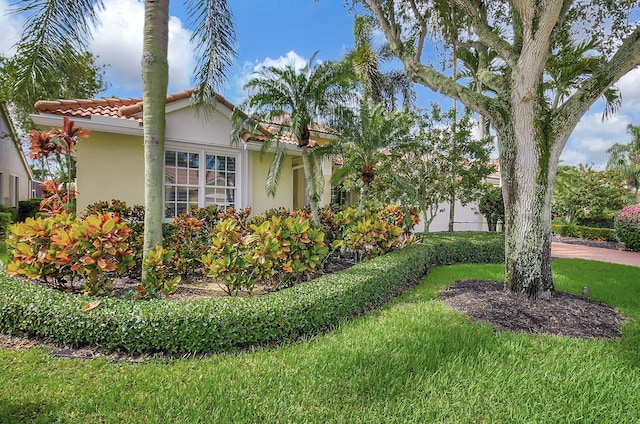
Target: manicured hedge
{"points": [[5, 221], [224, 324], [589, 233]]}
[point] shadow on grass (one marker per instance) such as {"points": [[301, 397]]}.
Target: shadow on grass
{"points": [[29, 412]]}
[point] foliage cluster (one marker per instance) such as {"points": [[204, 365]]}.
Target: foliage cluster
{"points": [[156, 282], [10, 210], [28, 209], [627, 227], [579, 231], [583, 195], [223, 324], [61, 251], [277, 252], [59, 143], [491, 206], [6, 218]]}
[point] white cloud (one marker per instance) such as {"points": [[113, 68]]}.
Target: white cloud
{"points": [[117, 42], [249, 71], [592, 137], [11, 28]]}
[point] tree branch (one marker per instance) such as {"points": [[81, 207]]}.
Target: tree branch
{"points": [[623, 61], [485, 32]]}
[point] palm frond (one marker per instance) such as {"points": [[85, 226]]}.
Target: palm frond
{"points": [[275, 172], [52, 30], [215, 40]]}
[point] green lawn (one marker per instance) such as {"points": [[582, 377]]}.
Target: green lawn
{"points": [[414, 361]]}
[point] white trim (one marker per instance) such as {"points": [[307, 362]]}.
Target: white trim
{"points": [[96, 123]]}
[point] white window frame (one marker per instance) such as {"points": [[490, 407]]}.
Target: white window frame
{"points": [[202, 172]]}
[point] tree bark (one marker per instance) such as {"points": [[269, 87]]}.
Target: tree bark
{"points": [[155, 75], [311, 188]]}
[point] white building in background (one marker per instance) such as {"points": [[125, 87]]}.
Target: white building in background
{"points": [[15, 173], [467, 217]]}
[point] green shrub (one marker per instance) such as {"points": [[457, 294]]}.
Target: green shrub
{"points": [[224, 324], [28, 209], [627, 227], [589, 233], [5, 220], [61, 251], [10, 210]]}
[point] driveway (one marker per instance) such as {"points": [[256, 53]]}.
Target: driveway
{"points": [[567, 250]]}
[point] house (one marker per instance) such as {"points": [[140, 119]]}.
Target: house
{"points": [[15, 173], [202, 167]]}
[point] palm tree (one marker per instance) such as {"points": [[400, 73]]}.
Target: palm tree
{"points": [[475, 61], [293, 99], [570, 66], [54, 27], [363, 61], [625, 158], [365, 137]]}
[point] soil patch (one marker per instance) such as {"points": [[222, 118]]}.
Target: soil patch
{"points": [[563, 314]]}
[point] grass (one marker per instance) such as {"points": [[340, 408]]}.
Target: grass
{"points": [[414, 361]]}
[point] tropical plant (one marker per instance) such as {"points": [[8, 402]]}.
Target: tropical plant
{"points": [[56, 28], [491, 205], [583, 195], [627, 227], [61, 251], [625, 158], [364, 140], [364, 62], [60, 144], [292, 101], [531, 132]]}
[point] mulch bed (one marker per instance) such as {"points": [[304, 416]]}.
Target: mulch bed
{"points": [[562, 314]]}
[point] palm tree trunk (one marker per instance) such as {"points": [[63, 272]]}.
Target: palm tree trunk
{"points": [[311, 187], [155, 75], [364, 197]]}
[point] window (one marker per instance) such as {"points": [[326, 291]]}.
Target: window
{"points": [[191, 182]]}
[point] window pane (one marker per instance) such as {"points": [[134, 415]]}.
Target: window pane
{"points": [[169, 194], [231, 179], [194, 160], [212, 162], [181, 208], [170, 158], [170, 175], [182, 159], [169, 211], [231, 164], [182, 176], [193, 195], [211, 177], [182, 193], [193, 177]]}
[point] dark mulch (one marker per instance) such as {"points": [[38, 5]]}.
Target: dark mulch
{"points": [[563, 314]]}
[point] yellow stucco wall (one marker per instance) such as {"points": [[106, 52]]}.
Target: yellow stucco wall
{"points": [[260, 202], [110, 167]]}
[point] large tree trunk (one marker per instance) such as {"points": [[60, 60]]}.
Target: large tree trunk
{"points": [[528, 163], [155, 75]]}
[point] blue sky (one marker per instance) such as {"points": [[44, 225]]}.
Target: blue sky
{"points": [[272, 32]]}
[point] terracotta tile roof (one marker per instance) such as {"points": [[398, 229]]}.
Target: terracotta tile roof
{"points": [[128, 108]]}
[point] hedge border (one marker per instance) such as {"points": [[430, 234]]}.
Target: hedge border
{"points": [[225, 324]]}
